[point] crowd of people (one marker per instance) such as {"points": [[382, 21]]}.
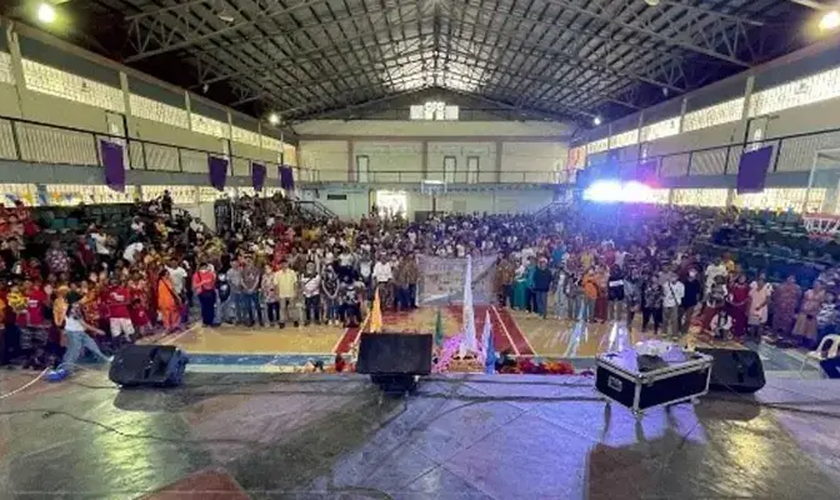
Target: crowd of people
{"points": [[272, 265]]}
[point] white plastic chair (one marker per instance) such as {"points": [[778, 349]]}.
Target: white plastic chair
{"points": [[819, 354]]}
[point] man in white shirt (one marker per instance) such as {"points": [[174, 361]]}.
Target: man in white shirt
{"points": [[383, 275], [673, 292], [131, 251], [713, 270]]}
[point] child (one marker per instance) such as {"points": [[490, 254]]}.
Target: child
{"points": [[226, 304], [350, 293], [269, 293], [721, 325]]}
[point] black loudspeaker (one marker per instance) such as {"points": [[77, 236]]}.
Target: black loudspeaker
{"points": [[395, 354], [738, 370], [150, 365], [395, 361]]}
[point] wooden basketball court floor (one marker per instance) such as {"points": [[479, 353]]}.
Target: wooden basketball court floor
{"points": [[521, 333]]}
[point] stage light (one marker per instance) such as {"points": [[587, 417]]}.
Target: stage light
{"points": [[609, 191], [46, 13], [830, 21], [596, 120], [274, 118]]}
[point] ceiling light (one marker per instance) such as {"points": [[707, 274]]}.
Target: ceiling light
{"points": [[830, 20], [274, 118], [652, 3], [596, 120], [46, 13]]}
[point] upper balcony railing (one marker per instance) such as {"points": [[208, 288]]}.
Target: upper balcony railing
{"points": [[43, 143], [791, 153], [36, 142]]}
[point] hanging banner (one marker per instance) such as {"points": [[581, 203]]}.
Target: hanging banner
{"points": [[218, 168], [442, 279], [113, 159], [257, 176]]}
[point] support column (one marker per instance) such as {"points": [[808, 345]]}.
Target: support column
{"points": [[17, 66], [351, 162], [188, 106], [424, 163], [500, 148], [745, 110], [683, 105]]}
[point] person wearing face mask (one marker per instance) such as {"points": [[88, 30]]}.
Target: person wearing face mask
{"points": [[673, 292], [693, 291]]}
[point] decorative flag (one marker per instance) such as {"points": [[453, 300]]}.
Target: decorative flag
{"points": [[486, 334], [258, 176], [375, 324], [489, 353], [113, 159], [468, 321], [439, 330], [218, 169], [752, 170]]}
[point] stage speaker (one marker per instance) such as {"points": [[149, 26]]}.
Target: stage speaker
{"points": [[150, 365], [738, 370], [395, 354], [395, 361]]}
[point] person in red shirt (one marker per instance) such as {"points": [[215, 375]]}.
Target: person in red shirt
{"points": [[119, 310], [204, 284], [36, 299]]}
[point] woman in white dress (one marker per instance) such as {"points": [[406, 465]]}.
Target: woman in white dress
{"points": [[760, 292]]}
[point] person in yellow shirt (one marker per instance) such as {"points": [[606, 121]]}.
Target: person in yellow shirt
{"points": [[286, 283]]}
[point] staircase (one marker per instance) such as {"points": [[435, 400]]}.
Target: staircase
{"points": [[315, 209]]}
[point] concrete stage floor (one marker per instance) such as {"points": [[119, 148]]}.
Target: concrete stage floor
{"points": [[267, 436]]}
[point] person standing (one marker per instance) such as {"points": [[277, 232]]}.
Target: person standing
{"points": [[268, 288], [237, 291], [204, 284], [119, 313], [541, 284], [738, 305], [615, 293], [505, 273], [311, 285], [251, 292], [178, 276], [760, 293], [784, 301], [805, 328], [693, 292], [673, 292], [383, 276], [286, 280], [652, 302], [168, 302], [589, 283]]}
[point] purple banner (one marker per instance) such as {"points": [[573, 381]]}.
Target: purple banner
{"points": [[752, 170], [113, 160], [258, 176], [218, 168], [287, 178]]}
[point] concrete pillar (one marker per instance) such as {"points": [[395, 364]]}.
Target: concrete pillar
{"points": [[500, 149], [351, 161], [17, 67], [425, 159], [188, 107]]}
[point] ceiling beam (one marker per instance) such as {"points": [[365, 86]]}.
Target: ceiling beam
{"points": [[689, 17], [146, 28]]}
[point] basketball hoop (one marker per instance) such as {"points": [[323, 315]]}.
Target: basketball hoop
{"points": [[822, 226]]}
